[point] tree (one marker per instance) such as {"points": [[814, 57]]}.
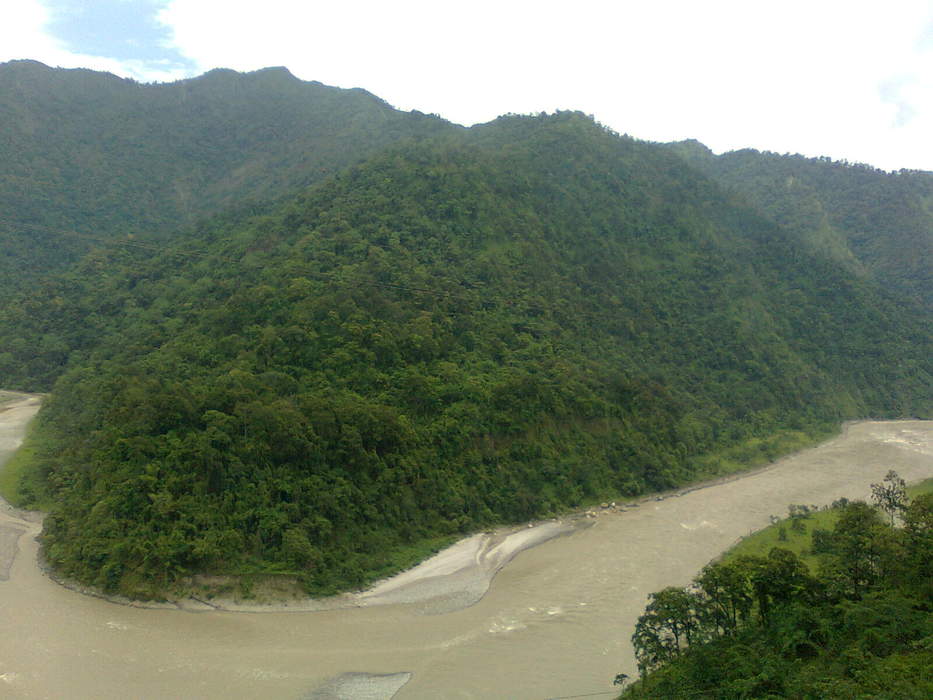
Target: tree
{"points": [[918, 531], [855, 552], [728, 590], [860, 629], [774, 580], [669, 625], [890, 495]]}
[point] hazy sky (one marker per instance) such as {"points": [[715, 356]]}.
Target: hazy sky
{"points": [[852, 80]]}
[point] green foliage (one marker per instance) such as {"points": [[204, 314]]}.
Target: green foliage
{"points": [[798, 530], [861, 628], [918, 489], [21, 485], [485, 326], [890, 495], [878, 224], [90, 160]]}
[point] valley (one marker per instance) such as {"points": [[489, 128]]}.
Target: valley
{"points": [[333, 394], [555, 621]]}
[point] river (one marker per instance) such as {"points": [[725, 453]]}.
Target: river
{"points": [[555, 621]]}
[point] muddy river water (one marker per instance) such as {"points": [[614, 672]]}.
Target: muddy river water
{"points": [[555, 621]]}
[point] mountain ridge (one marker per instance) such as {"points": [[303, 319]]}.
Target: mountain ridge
{"points": [[435, 330], [454, 333], [878, 223], [109, 156]]}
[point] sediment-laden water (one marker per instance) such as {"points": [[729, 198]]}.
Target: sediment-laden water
{"points": [[555, 621]]}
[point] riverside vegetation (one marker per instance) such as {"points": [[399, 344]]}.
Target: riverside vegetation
{"points": [[846, 615], [448, 329]]}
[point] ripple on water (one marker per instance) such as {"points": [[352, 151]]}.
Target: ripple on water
{"points": [[505, 624], [360, 686], [697, 526]]}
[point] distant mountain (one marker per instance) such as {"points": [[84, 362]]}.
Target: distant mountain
{"points": [[877, 223], [481, 327], [292, 331], [105, 157], [87, 159]]}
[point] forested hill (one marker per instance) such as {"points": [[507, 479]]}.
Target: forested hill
{"points": [[878, 223], [482, 327], [106, 157]]}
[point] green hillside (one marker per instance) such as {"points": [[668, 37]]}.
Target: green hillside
{"points": [[856, 624], [109, 156], [482, 327], [879, 224], [87, 159]]}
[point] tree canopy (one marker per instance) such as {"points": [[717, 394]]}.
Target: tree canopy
{"points": [[442, 330], [859, 627], [459, 332]]}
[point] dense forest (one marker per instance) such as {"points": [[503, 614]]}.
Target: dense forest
{"points": [[456, 329], [857, 625], [88, 158], [877, 224]]}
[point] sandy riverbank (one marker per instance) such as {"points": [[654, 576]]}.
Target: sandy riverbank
{"points": [[556, 620], [453, 579]]}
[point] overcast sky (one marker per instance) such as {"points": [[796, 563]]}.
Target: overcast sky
{"points": [[851, 80]]}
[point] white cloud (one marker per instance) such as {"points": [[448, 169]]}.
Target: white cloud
{"points": [[24, 34], [793, 76], [846, 79], [22, 31]]}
